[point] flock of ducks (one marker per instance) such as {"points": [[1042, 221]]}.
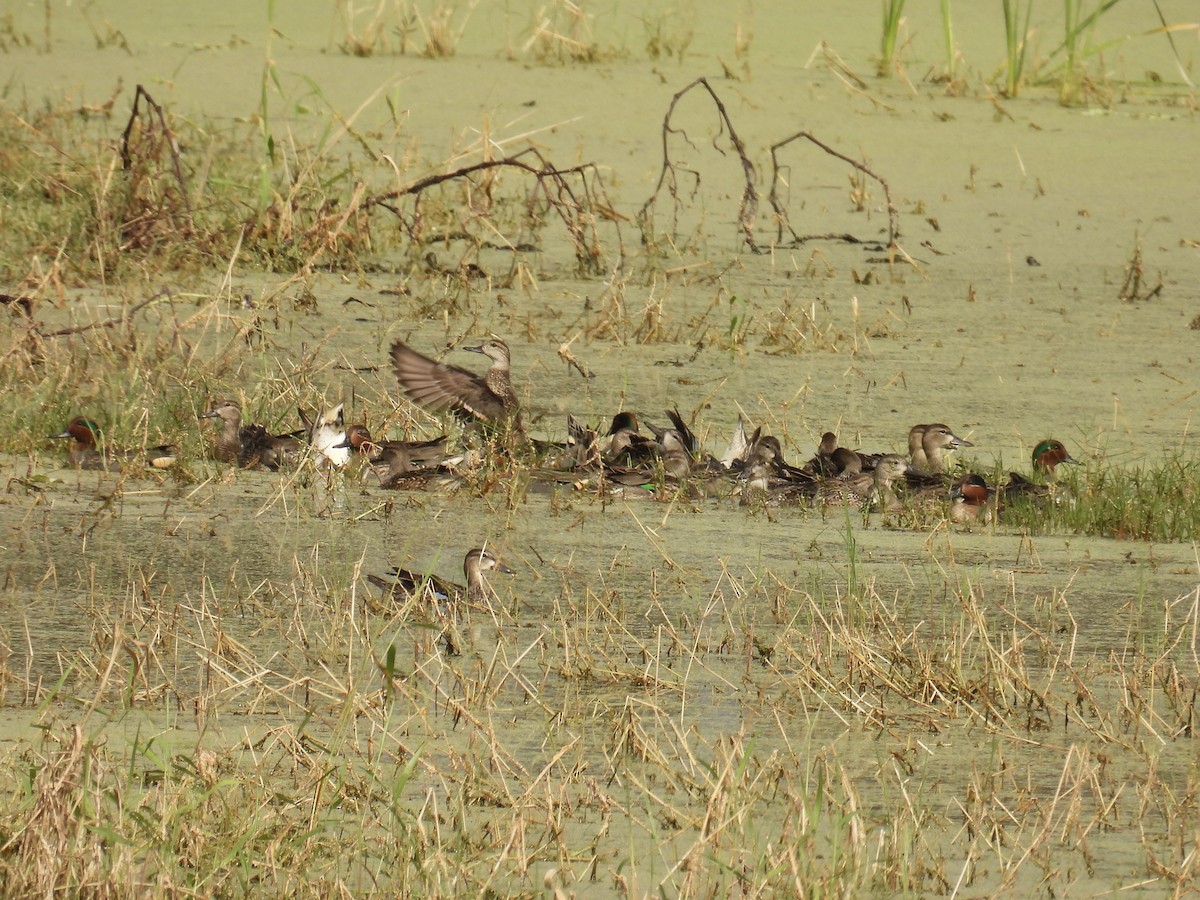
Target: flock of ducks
{"points": [[624, 461]]}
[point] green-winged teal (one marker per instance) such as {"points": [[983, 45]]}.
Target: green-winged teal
{"points": [[389, 459], [1046, 457], [488, 398], [737, 454], [936, 440], [832, 461], [359, 441], [917, 461], [675, 456], [444, 599], [867, 488], [582, 449], [757, 461], [971, 501], [755, 476], [570, 461], [86, 454], [681, 452], [250, 446], [1050, 453], [627, 446], [769, 481]]}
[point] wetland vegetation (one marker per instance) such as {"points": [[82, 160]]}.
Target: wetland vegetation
{"points": [[964, 218]]}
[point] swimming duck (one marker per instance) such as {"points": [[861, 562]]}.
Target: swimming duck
{"points": [[250, 446], [832, 461], [359, 442], [755, 476], [84, 434], [1048, 454], [737, 454], [627, 446], [936, 440], [327, 434], [445, 598], [582, 450], [1046, 457], [392, 458], [969, 501], [489, 398], [917, 460], [867, 488], [675, 455], [767, 480]]}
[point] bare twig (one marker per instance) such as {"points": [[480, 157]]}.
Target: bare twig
{"points": [[781, 216], [107, 323], [668, 176], [578, 211], [130, 158]]}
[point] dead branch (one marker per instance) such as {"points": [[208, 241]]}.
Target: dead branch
{"points": [[781, 216], [138, 150], [107, 323], [669, 174], [579, 210]]}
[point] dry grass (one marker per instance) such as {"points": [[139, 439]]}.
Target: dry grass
{"points": [[278, 736]]}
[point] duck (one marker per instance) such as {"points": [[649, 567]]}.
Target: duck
{"points": [[763, 451], [866, 488], [737, 454], [582, 448], [767, 480], [627, 446], [676, 458], [445, 598], [1048, 454], [1046, 458], [84, 434], [832, 461], [392, 458], [488, 399], [327, 434], [359, 442], [442, 477], [969, 501], [917, 461], [936, 440], [250, 446]]}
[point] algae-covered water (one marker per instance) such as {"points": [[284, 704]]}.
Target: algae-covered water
{"points": [[670, 692]]}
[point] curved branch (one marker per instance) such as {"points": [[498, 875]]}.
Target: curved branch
{"points": [[667, 176], [781, 216], [578, 211]]}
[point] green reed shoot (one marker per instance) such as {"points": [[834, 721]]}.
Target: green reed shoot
{"points": [[1076, 45], [1016, 38], [893, 13], [948, 37]]}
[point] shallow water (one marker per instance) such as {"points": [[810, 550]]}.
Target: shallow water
{"points": [[651, 614]]}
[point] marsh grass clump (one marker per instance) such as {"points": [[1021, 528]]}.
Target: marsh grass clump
{"points": [[1157, 501], [563, 32], [432, 30], [167, 195]]}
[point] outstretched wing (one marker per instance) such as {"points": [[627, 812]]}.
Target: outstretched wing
{"points": [[436, 386]]}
